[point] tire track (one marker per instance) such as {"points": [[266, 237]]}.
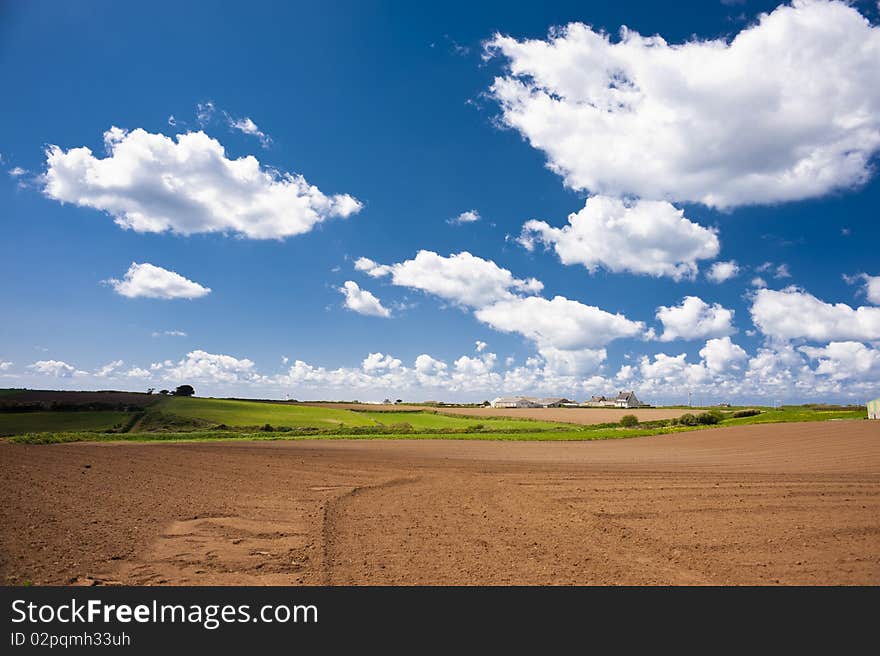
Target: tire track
{"points": [[333, 518]]}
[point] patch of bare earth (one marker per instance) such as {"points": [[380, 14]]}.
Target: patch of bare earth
{"points": [[787, 503]]}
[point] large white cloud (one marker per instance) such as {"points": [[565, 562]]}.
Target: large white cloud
{"points": [[694, 319], [150, 281], [152, 183], [362, 301], [570, 336], [794, 314], [788, 109], [650, 237], [461, 278]]}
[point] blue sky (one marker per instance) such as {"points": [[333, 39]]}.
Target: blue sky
{"points": [[738, 139]]}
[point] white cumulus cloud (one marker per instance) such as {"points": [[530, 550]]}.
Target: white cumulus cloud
{"points": [[694, 319], [559, 323], [845, 360], [461, 278], [792, 313], [469, 216], [649, 237], [721, 355], [638, 115], [721, 271], [203, 367], [56, 368], [871, 286], [150, 281], [152, 183], [361, 301]]}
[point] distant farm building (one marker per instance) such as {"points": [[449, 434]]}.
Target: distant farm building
{"points": [[874, 409], [622, 400], [531, 402]]}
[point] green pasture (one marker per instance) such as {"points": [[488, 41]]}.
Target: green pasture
{"points": [[14, 423]]}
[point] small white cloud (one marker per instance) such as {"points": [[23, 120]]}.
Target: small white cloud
{"points": [[722, 355], [17, 172], [56, 368], [149, 281], [470, 216], [480, 346], [379, 362], [871, 287], [694, 319], [758, 282], [5, 366], [204, 112], [782, 272], [362, 301], [169, 333], [721, 271], [247, 126], [172, 121], [109, 369]]}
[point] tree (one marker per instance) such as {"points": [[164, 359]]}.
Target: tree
{"points": [[164, 392], [184, 390], [150, 390]]}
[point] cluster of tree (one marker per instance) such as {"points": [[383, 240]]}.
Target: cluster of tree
{"points": [[181, 390]]}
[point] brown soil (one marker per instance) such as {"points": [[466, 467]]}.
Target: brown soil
{"points": [[569, 415], [786, 503]]}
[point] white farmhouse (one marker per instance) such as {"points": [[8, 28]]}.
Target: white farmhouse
{"points": [[622, 400], [627, 400]]}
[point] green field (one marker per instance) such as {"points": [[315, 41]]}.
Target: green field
{"points": [[13, 423], [252, 413]]}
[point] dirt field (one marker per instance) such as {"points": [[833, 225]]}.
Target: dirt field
{"points": [[569, 415], [786, 503]]}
